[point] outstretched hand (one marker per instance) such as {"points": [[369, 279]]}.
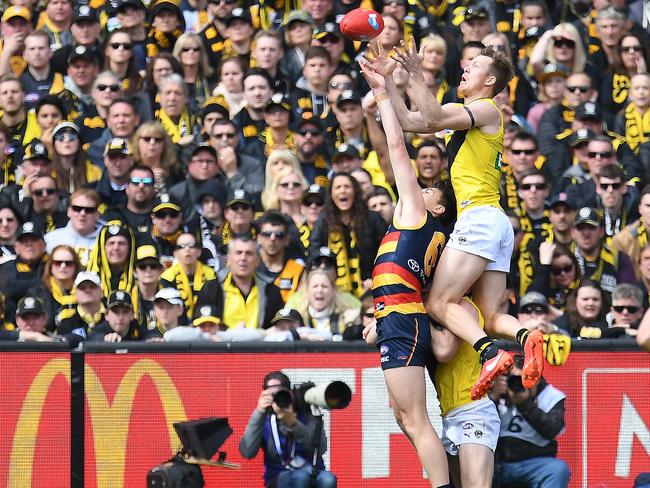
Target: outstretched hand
{"points": [[379, 59], [376, 82], [408, 57]]}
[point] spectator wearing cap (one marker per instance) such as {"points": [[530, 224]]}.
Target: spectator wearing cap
{"points": [[122, 119], [188, 275], [328, 35], [12, 101], [308, 139], [90, 309], [633, 239], [258, 88], [239, 215], [167, 227], [153, 148], [15, 26], [218, 107], [56, 20], [202, 167], [190, 52], [311, 206], [119, 322], [24, 272], [352, 231], [633, 122], [132, 16], [346, 158], [113, 257], [337, 84], [534, 313], [168, 312], [310, 92], [276, 265], [551, 92], [239, 34], [285, 326], [81, 230], [30, 319], [245, 299], [82, 70], [626, 311], [85, 31], [213, 34], [276, 135], [39, 78], [75, 170], [577, 155], [521, 156], [238, 171], [351, 128], [298, 28], [118, 161], [148, 269], [598, 262], [177, 118], [381, 202], [167, 24]]}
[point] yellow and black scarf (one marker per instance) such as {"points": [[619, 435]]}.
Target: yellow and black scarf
{"points": [[63, 297], [637, 127], [98, 262], [158, 42], [175, 130], [189, 291], [348, 265]]}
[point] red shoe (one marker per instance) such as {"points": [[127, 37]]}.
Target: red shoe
{"points": [[498, 365], [533, 359]]}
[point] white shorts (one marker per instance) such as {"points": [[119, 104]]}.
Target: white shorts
{"points": [[473, 423], [485, 231]]}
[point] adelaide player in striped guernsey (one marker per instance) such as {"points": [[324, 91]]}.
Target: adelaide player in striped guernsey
{"points": [[404, 266]]}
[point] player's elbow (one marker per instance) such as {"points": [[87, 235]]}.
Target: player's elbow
{"points": [[643, 339]]}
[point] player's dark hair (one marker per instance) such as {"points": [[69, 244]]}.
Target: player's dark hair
{"points": [[501, 68], [448, 201]]}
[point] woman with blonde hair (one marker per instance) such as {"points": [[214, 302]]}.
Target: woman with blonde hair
{"points": [[562, 45], [434, 52], [323, 307], [284, 193], [153, 148], [278, 159], [190, 52]]}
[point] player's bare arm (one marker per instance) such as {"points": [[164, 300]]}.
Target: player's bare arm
{"points": [[410, 209], [434, 117]]}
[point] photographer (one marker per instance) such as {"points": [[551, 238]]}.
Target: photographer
{"points": [[531, 419], [286, 435]]}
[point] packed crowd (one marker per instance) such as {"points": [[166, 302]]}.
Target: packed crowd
{"points": [[214, 170]]}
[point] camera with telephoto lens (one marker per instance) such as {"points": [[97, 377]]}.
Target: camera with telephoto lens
{"points": [[328, 394]]}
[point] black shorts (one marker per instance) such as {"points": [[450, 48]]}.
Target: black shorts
{"points": [[404, 340]]}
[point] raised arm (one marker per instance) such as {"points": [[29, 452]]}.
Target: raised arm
{"points": [[449, 116], [410, 208]]}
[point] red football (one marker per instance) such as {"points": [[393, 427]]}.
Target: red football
{"points": [[361, 24]]}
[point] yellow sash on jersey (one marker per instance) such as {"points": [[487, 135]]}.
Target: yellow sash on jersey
{"points": [[637, 127], [348, 266], [176, 131]]}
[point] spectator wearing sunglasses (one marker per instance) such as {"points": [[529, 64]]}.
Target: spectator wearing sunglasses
{"points": [[140, 194], [81, 231], [534, 313], [276, 266], [85, 31], [132, 15], [40, 203], [119, 60], [148, 269], [118, 160], [626, 311], [190, 52], [560, 45], [310, 151], [106, 89], [153, 148], [521, 156], [187, 274]]}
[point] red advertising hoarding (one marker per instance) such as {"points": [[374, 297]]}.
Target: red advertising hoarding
{"points": [[133, 399]]}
